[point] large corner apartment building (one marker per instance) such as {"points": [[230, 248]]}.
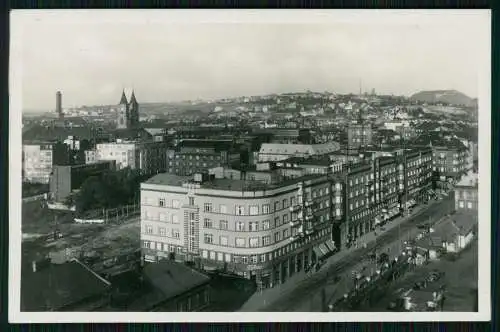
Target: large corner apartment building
{"points": [[251, 228], [270, 226]]}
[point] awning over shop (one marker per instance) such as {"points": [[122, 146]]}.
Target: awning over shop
{"points": [[323, 249], [210, 268], [393, 212], [331, 244], [411, 203], [317, 251]]}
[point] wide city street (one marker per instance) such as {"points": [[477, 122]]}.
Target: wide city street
{"points": [[306, 296]]}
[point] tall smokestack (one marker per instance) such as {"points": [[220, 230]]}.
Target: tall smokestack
{"points": [[59, 104]]}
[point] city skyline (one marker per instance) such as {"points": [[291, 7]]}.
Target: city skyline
{"points": [[91, 61]]}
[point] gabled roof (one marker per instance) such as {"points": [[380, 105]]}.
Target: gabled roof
{"points": [[168, 280], [131, 133], [155, 131], [436, 140], [291, 149], [55, 286], [218, 145], [458, 224], [49, 133]]}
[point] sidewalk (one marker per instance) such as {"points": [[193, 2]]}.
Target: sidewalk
{"points": [[262, 299]]}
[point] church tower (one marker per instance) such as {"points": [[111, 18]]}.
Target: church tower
{"points": [[133, 107], [123, 118]]}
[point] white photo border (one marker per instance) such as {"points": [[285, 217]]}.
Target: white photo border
{"points": [[20, 19]]}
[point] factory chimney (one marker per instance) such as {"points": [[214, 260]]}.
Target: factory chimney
{"points": [[59, 104]]}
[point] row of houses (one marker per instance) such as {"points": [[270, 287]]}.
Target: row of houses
{"points": [[73, 286], [269, 222]]}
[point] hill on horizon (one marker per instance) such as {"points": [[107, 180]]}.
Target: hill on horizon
{"points": [[444, 96]]}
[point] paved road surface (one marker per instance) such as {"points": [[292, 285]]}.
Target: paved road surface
{"points": [[304, 293], [461, 280]]}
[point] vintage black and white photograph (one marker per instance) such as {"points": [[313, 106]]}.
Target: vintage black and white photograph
{"points": [[195, 165]]}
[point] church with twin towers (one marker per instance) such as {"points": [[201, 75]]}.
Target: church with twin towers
{"points": [[128, 112]]}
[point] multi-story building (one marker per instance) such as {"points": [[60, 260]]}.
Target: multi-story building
{"points": [[449, 155], [314, 165], [40, 157], [65, 179], [268, 226], [449, 161], [266, 231], [90, 156], [466, 194], [380, 186], [359, 135], [192, 156], [287, 135], [147, 156], [276, 152]]}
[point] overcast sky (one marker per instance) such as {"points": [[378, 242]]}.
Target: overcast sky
{"points": [[91, 57]]}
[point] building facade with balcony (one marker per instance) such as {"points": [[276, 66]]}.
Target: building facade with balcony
{"points": [[379, 188], [266, 231]]}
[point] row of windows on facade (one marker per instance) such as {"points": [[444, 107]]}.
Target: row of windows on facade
{"points": [[444, 154], [444, 162], [163, 231], [253, 242], [466, 194], [462, 204], [239, 209], [199, 164], [370, 211], [359, 132], [190, 157], [238, 259], [241, 226], [448, 169]]}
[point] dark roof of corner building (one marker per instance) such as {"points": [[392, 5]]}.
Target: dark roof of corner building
{"points": [[131, 133], [437, 141], [168, 279], [53, 287], [49, 133], [167, 179], [218, 145], [321, 160], [386, 132]]}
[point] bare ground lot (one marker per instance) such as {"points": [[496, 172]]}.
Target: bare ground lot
{"points": [[38, 220]]}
